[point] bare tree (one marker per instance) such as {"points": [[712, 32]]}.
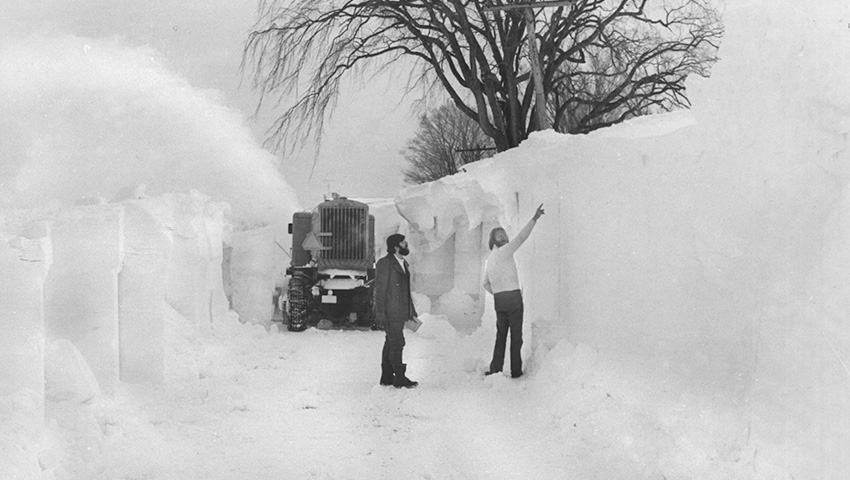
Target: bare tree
{"points": [[445, 141], [631, 71], [301, 50]]}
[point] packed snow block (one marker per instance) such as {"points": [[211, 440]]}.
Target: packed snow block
{"points": [[433, 270], [467, 258], [449, 260], [141, 296], [81, 291], [24, 263], [252, 275], [188, 280], [195, 228], [219, 231]]}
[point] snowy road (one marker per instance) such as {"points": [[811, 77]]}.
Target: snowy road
{"points": [[242, 403], [308, 405]]}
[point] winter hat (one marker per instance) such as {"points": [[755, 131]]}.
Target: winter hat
{"points": [[393, 241]]}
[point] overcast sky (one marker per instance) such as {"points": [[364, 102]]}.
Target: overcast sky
{"points": [[202, 40]]}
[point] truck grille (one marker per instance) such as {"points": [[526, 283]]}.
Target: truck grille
{"points": [[344, 233]]}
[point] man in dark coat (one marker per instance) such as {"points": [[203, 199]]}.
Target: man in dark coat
{"points": [[394, 306]]}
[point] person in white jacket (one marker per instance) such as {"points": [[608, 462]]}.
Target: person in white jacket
{"points": [[502, 281]]}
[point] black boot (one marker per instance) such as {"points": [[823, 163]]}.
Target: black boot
{"points": [[386, 374], [401, 381]]}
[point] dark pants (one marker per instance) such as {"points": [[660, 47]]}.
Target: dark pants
{"points": [[393, 343], [508, 318]]}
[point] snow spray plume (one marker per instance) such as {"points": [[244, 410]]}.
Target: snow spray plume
{"points": [[93, 118]]}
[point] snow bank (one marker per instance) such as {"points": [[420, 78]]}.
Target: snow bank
{"points": [[114, 267], [127, 286], [115, 291], [703, 252]]}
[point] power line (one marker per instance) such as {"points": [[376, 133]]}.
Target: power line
{"points": [[540, 3]]}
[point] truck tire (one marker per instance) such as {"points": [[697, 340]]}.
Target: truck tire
{"points": [[299, 306]]}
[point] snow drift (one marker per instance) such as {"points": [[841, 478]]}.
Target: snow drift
{"points": [[704, 250]]}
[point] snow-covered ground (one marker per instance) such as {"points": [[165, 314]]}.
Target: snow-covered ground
{"points": [[280, 405]]}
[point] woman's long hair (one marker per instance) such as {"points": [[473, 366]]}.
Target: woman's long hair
{"points": [[492, 241]]}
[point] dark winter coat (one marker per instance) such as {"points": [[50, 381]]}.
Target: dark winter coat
{"points": [[393, 302]]}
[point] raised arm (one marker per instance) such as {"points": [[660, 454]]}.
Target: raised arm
{"points": [[523, 234]]}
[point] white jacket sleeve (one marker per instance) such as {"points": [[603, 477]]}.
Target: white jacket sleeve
{"points": [[521, 237]]}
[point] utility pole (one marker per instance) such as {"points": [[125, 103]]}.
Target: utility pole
{"points": [[539, 96], [536, 70]]}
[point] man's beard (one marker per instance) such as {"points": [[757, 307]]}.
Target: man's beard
{"points": [[403, 251]]}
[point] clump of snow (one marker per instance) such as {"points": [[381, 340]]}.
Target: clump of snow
{"points": [[567, 365], [67, 375], [462, 311], [435, 327]]}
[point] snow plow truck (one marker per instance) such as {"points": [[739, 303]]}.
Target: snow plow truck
{"points": [[333, 266]]}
